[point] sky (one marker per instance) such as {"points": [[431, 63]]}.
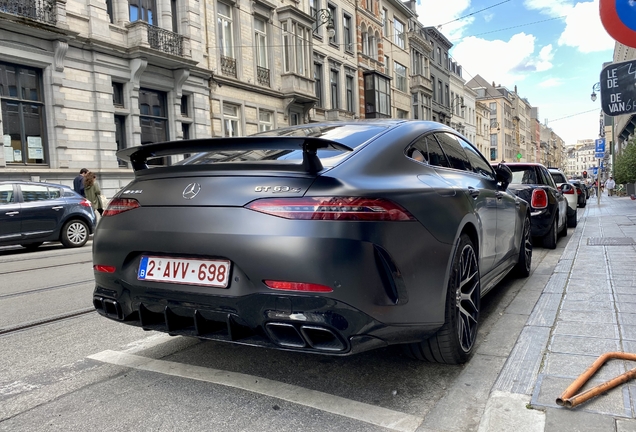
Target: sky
{"points": [[552, 50]]}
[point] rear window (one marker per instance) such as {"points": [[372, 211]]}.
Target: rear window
{"points": [[558, 177], [523, 175], [352, 135]]}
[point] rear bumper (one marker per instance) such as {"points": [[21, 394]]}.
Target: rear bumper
{"points": [[541, 222], [388, 278], [315, 325]]}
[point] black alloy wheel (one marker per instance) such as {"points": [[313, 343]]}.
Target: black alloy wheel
{"points": [[455, 340], [522, 269]]}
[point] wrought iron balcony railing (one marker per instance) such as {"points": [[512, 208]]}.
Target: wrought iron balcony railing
{"points": [[262, 75], [165, 40], [38, 10], [228, 66]]}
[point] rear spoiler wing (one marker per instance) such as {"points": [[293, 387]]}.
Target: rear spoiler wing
{"points": [[139, 155]]}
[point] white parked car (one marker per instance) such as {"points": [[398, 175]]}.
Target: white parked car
{"points": [[568, 192]]}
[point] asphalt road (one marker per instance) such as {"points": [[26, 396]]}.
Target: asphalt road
{"points": [[64, 367]]}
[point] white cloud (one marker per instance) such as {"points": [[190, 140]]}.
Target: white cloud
{"points": [[553, 8], [501, 61], [584, 30], [431, 14], [551, 82]]}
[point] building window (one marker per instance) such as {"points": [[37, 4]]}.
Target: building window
{"points": [[265, 120], [385, 31], [153, 118], [401, 114], [349, 89], [22, 106], [318, 83], [434, 92], [369, 5], [333, 14], [314, 5], [296, 48], [440, 95], [120, 136], [118, 95], [446, 96], [109, 10], [175, 20], [262, 56], [493, 140], [377, 97], [414, 98], [142, 10], [400, 77], [398, 30], [231, 120], [334, 78], [348, 36], [184, 106], [364, 35], [493, 154], [225, 32], [493, 109], [439, 55]]}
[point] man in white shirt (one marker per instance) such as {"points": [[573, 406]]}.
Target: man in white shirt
{"points": [[610, 185]]}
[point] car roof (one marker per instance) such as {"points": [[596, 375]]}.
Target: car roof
{"points": [[25, 182]]}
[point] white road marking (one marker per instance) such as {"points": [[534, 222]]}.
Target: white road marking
{"points": [[148, 342], [311, 398]]}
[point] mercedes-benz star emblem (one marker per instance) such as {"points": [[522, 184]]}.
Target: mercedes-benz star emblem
{"points": [[191, 190]]}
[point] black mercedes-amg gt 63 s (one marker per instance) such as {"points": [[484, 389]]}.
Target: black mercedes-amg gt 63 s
{"points": [[330, 238]]}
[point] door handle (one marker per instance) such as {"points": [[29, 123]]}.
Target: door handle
{"points": [[499, 195], [57, 207], [473, 192], [13, 213]]}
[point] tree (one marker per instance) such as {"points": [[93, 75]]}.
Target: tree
{"points": [[625, 165]]}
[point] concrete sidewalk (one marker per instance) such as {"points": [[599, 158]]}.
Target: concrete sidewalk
{"points": [[587, 308]]}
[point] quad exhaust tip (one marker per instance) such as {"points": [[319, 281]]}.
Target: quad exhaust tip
{"points": [[319, 338]]}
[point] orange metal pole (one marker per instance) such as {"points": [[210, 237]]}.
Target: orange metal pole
{"points": [[568, 397]]}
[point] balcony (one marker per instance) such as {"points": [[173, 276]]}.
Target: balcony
{"points": [[228, 66], [165, 40], [299, 87], [262, 76], [421, 82], [39, 10]]}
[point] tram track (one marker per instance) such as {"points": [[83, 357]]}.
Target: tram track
{"points": [[50, 288], [44, 267], [44, 321]]}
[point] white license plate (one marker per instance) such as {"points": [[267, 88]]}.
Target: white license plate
{"points": [[213, 273]]}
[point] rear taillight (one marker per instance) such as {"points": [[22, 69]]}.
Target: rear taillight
{"points": [[120, 205], [578, 191], [85, 203], [104, 268], [539, 199], [296, 286], [334, 208]]}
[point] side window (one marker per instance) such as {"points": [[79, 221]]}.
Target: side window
{"points": [[454, 151], [436, 156], [6, 194], [418, 150], [547, 177], [477, 161], [54, 193], [32, 193]]}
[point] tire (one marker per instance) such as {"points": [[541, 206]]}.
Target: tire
{"points": [[74, 233], [550, 239], [584, 204], [455, 340], [32, 246], [522, 269], [572, 221]]}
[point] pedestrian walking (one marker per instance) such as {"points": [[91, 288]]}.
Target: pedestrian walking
{"points": [[93, 193], [610, 185], [78, 182]]}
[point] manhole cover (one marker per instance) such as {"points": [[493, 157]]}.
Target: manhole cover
{"points": [[610, 241]]}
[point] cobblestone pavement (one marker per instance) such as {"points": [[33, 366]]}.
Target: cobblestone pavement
{"points": [[587, 308]]}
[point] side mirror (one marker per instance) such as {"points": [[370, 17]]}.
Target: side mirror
{"points": [[566, 187], [504, 175]]}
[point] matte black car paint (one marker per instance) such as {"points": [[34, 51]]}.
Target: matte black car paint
{"points": [[389, 279]]}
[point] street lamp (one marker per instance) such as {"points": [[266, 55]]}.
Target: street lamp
{"points": [[596, 87], [323, 16]]}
